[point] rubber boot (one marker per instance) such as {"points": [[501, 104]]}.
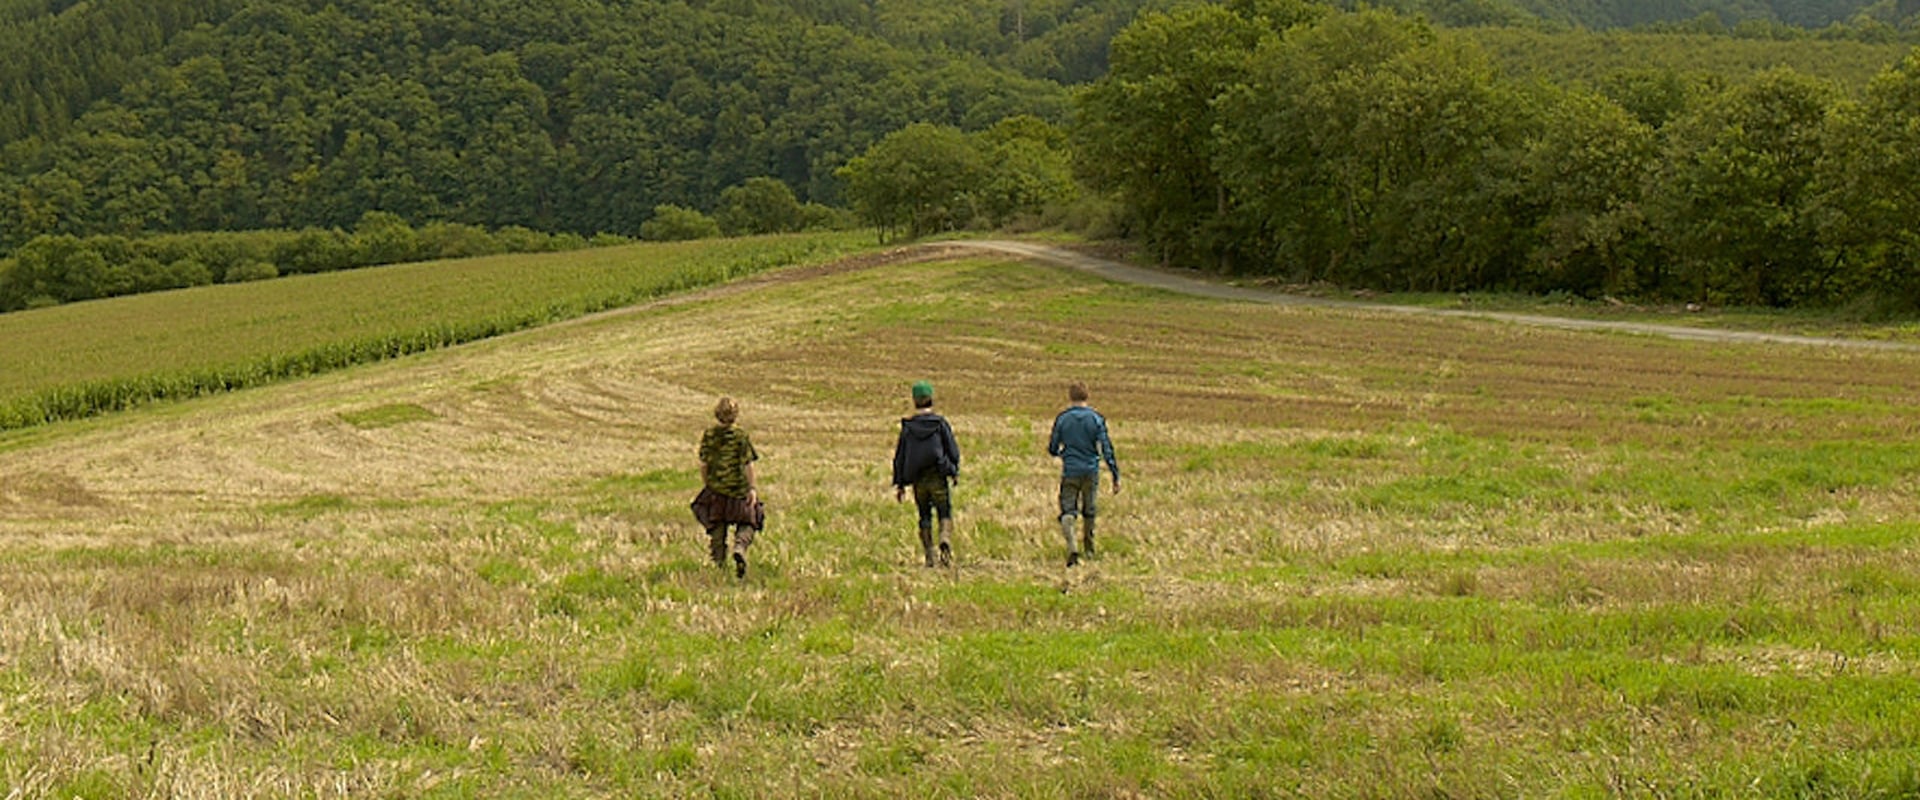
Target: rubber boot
{"points": [[717, 545], [1066, 532], [926, 544], [1086, 536], [946, 542]]}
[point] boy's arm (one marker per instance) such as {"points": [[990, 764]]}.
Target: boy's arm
{"points": [[900, 466], [900, 460], [1106, 451], [952, 444]]}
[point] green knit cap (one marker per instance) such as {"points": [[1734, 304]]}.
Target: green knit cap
{"points": [[922, 391]]}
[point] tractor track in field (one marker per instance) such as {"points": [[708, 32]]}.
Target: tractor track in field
{"points": [[1183, 284]]}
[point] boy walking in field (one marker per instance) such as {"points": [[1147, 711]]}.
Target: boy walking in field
{"points": [[1080, 442], [729, 495], [928, 459]]}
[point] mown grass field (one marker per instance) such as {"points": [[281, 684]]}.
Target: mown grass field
{"points": [[1357, 555], [76, 360]]}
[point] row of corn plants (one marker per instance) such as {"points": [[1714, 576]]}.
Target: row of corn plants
{"points": [[422, 308]]}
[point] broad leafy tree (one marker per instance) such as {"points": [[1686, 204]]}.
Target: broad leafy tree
{"points": [[1585, 178], [1146, 130], [759, 205], [671, 223], [1870, 184], [1735, 202], [918, 180]]}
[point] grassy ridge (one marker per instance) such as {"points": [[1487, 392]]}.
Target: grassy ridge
{"points": [[1356, 556], [75, 361]]}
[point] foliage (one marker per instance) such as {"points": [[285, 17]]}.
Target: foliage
{"points": [[925, 179], [1735, 197], [1584, 177], [58, 57], [759, 205], [1394, 151], [671, 223], [1029, 169], [1600, 58], [1373, 150], [1869, 179], [62, 268], [1146, 130], [577, 116], [915, 181]]}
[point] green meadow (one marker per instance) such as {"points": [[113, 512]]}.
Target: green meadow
{"points": [[1357, 554]]}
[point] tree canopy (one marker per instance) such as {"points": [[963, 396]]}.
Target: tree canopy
{"points": [[561, 115], [1372, 149]]}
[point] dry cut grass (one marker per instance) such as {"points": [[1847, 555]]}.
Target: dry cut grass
{"points": [[1361, 555]]}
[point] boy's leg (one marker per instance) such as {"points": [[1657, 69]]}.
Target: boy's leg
{"points": [[1069, 509], [1088, 493], [742, 539], [923, 501], [717, 543], [943, 506]]}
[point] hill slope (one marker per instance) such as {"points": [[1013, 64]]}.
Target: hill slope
{"points": [[1370, 553], [581, 115]]}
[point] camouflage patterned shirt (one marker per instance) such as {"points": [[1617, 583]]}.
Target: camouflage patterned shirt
{"points": [[727, 451]]}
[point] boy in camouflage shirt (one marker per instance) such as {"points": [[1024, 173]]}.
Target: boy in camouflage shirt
{"points": [[729, 495]]}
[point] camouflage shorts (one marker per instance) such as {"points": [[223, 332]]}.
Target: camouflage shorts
{"points": [[931, 496]]}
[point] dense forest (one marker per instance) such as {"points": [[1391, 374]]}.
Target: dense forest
{"points": [[1369, 149], [560, 115], [1522, 144]]}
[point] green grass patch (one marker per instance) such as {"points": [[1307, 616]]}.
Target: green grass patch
{"points": [[387, 416]]}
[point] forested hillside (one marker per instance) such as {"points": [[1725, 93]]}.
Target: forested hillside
{"points": [[568, 115], [58, 56]]}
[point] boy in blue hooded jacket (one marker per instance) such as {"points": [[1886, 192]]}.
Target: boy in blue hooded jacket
{"points": [[1080, 442]]}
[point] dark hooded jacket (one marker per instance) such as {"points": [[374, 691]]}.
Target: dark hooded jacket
{"points": [[926, 445]]}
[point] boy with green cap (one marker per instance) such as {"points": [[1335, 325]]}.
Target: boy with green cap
{"points": [[928, 459]]}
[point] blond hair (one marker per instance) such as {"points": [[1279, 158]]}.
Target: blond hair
{"points": [[727, 410]]}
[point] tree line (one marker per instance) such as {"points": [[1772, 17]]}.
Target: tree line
{"points": [[1364, 148], [63, 268]]}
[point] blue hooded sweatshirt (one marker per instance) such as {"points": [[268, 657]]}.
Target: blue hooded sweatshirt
{"points": [[1080, 440]]}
